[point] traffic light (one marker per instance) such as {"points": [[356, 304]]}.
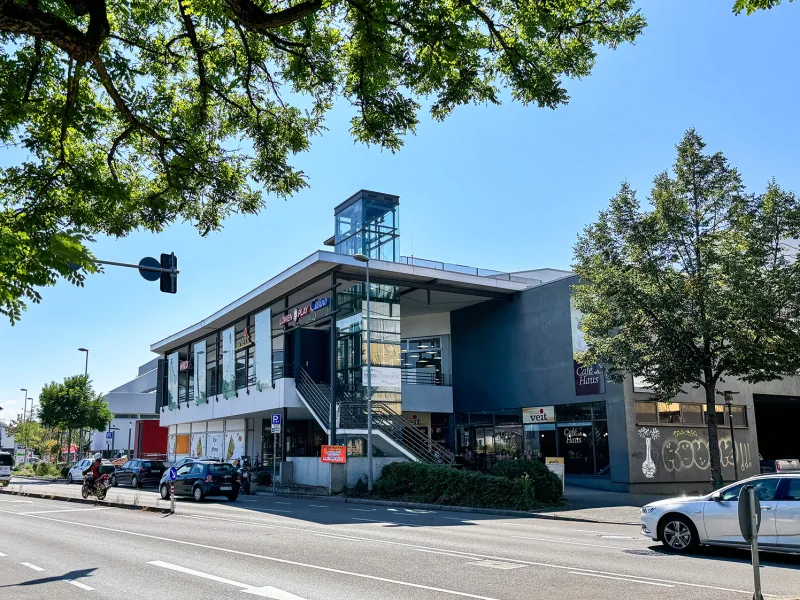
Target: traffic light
{"points": [[169, 280]]}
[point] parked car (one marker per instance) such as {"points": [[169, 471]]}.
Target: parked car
{"points": [[138, 472], [780, 465], [75, 473], [187, 459], [683, 523], [204, 478], [6, 465]]}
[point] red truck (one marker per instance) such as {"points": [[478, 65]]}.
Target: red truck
{"points": [[150, 440]]}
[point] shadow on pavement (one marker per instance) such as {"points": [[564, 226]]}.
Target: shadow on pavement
{"points": [[71, 575]]}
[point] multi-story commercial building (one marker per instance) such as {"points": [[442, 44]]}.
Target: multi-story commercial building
{"points": [[468, 366]]}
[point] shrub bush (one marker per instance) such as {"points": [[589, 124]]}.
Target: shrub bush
{"points": [[433, 484], [545, 482], [263, 478]]}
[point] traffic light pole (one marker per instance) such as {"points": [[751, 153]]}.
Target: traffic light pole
{"points": [[138, 267]]}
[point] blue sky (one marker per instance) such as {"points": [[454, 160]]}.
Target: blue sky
{"points": [[501, 187]]}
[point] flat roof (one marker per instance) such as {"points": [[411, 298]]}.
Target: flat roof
{"points": [[323, 261]]}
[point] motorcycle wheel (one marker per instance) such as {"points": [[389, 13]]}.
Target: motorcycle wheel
{"points": [[101, 494], [85, 492]]}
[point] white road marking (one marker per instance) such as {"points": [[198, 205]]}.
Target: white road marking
{"points": [[1, 554], [622, 579], [456, 552], [166, 565], [270, 510], [42, 512], [287, 503], [18, 501], [30, 566], [271, 592], [588, 531], [83, 586], [441, 552], [522, 537], [337, 537], [454, 519], [385, 522], [362, 509], [318, 506], [247, 500], [496, 564]]}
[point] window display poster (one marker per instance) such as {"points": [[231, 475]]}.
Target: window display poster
{"points": [[200, 373], [198, 447], [172, 381], [171, 447], [234, 445], [263, 349], [228, 364], [214, 445], [589, 379]]}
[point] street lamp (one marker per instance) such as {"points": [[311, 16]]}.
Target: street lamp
{"points": [[365, 259], [729, 403], [24, 420], [86, 367]]}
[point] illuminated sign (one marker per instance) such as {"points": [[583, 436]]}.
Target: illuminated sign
{"points": [[298, 313]]}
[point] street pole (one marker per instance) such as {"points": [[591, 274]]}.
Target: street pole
{"points": [[729, 403], [274, 460], [86, 377], [24, 420], [754, 545]]}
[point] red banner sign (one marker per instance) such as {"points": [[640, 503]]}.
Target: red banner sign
{"points": [[334, 454]]}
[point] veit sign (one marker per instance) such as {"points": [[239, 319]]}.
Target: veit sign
{"points": [[539, 414]]}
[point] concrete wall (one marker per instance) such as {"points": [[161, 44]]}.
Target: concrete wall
{"points": [[425, 325], [357, 468], [517, 354], [427, 398], [310, 470]]}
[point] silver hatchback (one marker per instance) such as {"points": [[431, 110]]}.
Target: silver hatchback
{"points": [[684, 523]]}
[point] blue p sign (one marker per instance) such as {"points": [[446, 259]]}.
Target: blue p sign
{"points": [[276, 419]]}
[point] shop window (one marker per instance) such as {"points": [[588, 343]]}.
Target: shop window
{"points": [[722, 417], [576, 448], [183, 374], [422, 361], [739, 414], [573, 413], [692, 414], [211, 366], [669, 413], [540, 441], [599, 411], [646, 413]]}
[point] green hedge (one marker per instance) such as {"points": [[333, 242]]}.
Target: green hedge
{"points": [[546, 483], [432, 484], [41, 469]]}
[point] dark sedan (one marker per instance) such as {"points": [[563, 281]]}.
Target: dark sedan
{"points": [[139, 472], [207, 478]]}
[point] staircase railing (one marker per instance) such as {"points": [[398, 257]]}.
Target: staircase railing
{"points": [[315, 399], [353, 415]]}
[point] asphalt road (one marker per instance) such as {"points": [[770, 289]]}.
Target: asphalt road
{"points": [[290, 549]]}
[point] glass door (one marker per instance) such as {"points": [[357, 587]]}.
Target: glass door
{"points": [[575, 442]]}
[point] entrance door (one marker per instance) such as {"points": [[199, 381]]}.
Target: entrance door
{"points": [[575, 445], [721, 518]]}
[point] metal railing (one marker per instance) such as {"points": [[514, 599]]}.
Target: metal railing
{"points": [[353, 415], [315, 398], [455, 268], [417, 377]]}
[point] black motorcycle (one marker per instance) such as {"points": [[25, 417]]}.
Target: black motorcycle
{"points": [[245, 475], [97, 488]]}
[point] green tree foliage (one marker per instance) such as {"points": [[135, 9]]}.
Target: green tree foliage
{"points": [[751, 6], [27, 433], [72, 405], [136, 114], [700, 287]]}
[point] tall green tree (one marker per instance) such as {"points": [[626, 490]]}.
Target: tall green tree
{"points": [[26, 432], [751, 6], [135, 114], [700, 287], [73, 405]]}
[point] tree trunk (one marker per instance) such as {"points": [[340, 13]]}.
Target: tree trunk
{"points": [[713, 437]]}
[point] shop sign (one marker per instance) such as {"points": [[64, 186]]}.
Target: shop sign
{"points": [[539, 414], [418, 419], [334, 454], [558, 469], [589, 379], [554, 460], [287, 318], [386, 378], [245, 341], [574, 435], [298, 313], [183, 365], [320, 303]]}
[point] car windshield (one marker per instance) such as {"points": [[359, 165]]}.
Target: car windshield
{"points": [[221, 469], [6, 460], [152, 464]]}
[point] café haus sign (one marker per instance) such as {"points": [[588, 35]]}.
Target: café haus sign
{"points": [[293, 316]]}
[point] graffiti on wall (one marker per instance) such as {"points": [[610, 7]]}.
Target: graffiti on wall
{"points": [[685, 450]]}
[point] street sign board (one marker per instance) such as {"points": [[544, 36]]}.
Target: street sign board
{"points": [[149, 261], [109, 435], [173, 473], [746, 512], [276, 419], [333, 454], [276, 429]]}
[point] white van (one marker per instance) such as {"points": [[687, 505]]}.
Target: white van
{"points": [[6, 464]]}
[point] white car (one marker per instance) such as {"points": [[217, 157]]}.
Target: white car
{"points": [[75, 474], [684, 523]]}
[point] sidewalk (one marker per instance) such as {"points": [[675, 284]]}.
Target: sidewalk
{"points": [[599, 506]]}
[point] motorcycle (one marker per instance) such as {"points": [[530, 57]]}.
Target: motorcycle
{"points": [[98, 488], [244, 474]]}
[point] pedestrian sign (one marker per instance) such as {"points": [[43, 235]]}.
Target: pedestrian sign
{"points": [[173, 473]]}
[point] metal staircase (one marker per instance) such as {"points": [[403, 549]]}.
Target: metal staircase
{"points": [[352, 415]]}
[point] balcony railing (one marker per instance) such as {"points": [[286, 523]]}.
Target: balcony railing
{"points": [[417, 377], [443, 266]]}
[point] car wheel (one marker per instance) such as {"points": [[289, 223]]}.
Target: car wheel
{"points": [[114, 481], [678, 534], [69, 478], [233, 497], [135, 482], [164, 491], [198, 493]]}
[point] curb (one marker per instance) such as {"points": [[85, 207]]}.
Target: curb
{"points": [[34, 478], [95, 502]]}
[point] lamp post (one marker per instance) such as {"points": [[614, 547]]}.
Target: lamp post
{"points": [[729, 403], [365, 259], [86, 377], [24, 420]]}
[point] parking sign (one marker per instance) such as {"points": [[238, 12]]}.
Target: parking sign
{"points": [[276, 424]]}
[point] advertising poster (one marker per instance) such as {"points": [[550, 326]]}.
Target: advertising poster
{"points": [[200, 373], [383, 378], [171, 447], [198, 447], [214, 445], [228, 364], [172, 381], [334, 454], [263, 350], [234, 445], [589, 379]]}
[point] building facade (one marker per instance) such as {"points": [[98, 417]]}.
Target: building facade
{"points": [[468, 366]]}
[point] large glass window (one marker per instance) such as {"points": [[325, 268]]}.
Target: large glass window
{"points": [[540, 441], [575, 442], [212, 366], [692, 414], [646, 412], [669, 412], [422, 361], [574, 412], [183, 374], [739, 416]]}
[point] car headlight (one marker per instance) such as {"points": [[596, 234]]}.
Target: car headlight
{"points": [[647, 509]]}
